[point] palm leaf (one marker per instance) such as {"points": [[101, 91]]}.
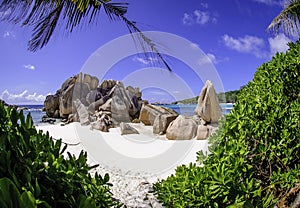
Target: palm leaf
{"points": [[288, 20], [116, 11], [46, 16]]}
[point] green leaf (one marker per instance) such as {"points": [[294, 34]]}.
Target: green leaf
{"points": [[28, 200]]}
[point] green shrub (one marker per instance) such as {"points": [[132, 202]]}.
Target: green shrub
{"points": [[11, 197], [34, 163], [256, 158]]}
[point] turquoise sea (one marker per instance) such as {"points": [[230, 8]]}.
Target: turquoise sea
{"points": [[37, 113], [188, 110]]}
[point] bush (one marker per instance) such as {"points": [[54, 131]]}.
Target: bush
{"points": [[31, 163], [257, 157]]}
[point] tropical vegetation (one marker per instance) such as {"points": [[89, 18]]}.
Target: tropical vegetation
{"points": [[34, 171], [288, 20], [254, 160], [224, 97]]}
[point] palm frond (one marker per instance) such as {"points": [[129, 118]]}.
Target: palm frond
{"points": [[45, 16], [288, 20], [43, 31], [17, 10], [116, 11]]}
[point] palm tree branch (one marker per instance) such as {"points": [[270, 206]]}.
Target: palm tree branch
{"points": [[44, 16], [43, 31], [288, 19], [117, 11]]}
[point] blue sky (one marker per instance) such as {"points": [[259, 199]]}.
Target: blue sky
{"points": [[231, 33]]}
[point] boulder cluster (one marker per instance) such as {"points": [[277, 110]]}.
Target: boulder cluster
{"points": [[180, 127], [102, 106], [82, 99]]}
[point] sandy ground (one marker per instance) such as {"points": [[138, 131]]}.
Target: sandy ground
{"points": [[133, 161]]}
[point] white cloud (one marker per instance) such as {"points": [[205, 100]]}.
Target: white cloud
{"points": [[278, 43], [145, 61], [256, 46], [247, 44], [9, 34], [212, 58], [29, 66], [187, 19], [200, 17], [207, 59], [23, 98]]}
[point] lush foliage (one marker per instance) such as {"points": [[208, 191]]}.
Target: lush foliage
{"points": [[255, 161], [33, 169], [228, 97]]}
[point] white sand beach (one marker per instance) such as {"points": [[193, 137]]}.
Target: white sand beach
{"points": [[133, 161]]}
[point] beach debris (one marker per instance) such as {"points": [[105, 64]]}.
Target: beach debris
{"points": [[208, 107], [127, 129], [182, 128]]}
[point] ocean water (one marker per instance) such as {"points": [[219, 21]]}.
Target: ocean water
{"points": [[35, 111], [188, 110]]}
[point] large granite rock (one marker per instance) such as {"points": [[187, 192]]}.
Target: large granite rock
{"points": [[108, 84], [82, 112], [51, 105], [82, 99], [182, 128], [120, 104], [70, 81], [208, 107], [76, 87], [106, 106], [149, 113], [75, 91], [93, 107], [134, 92], [162, 122], [91, 81], [202, 132], [66, 101], [93, 96]]}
